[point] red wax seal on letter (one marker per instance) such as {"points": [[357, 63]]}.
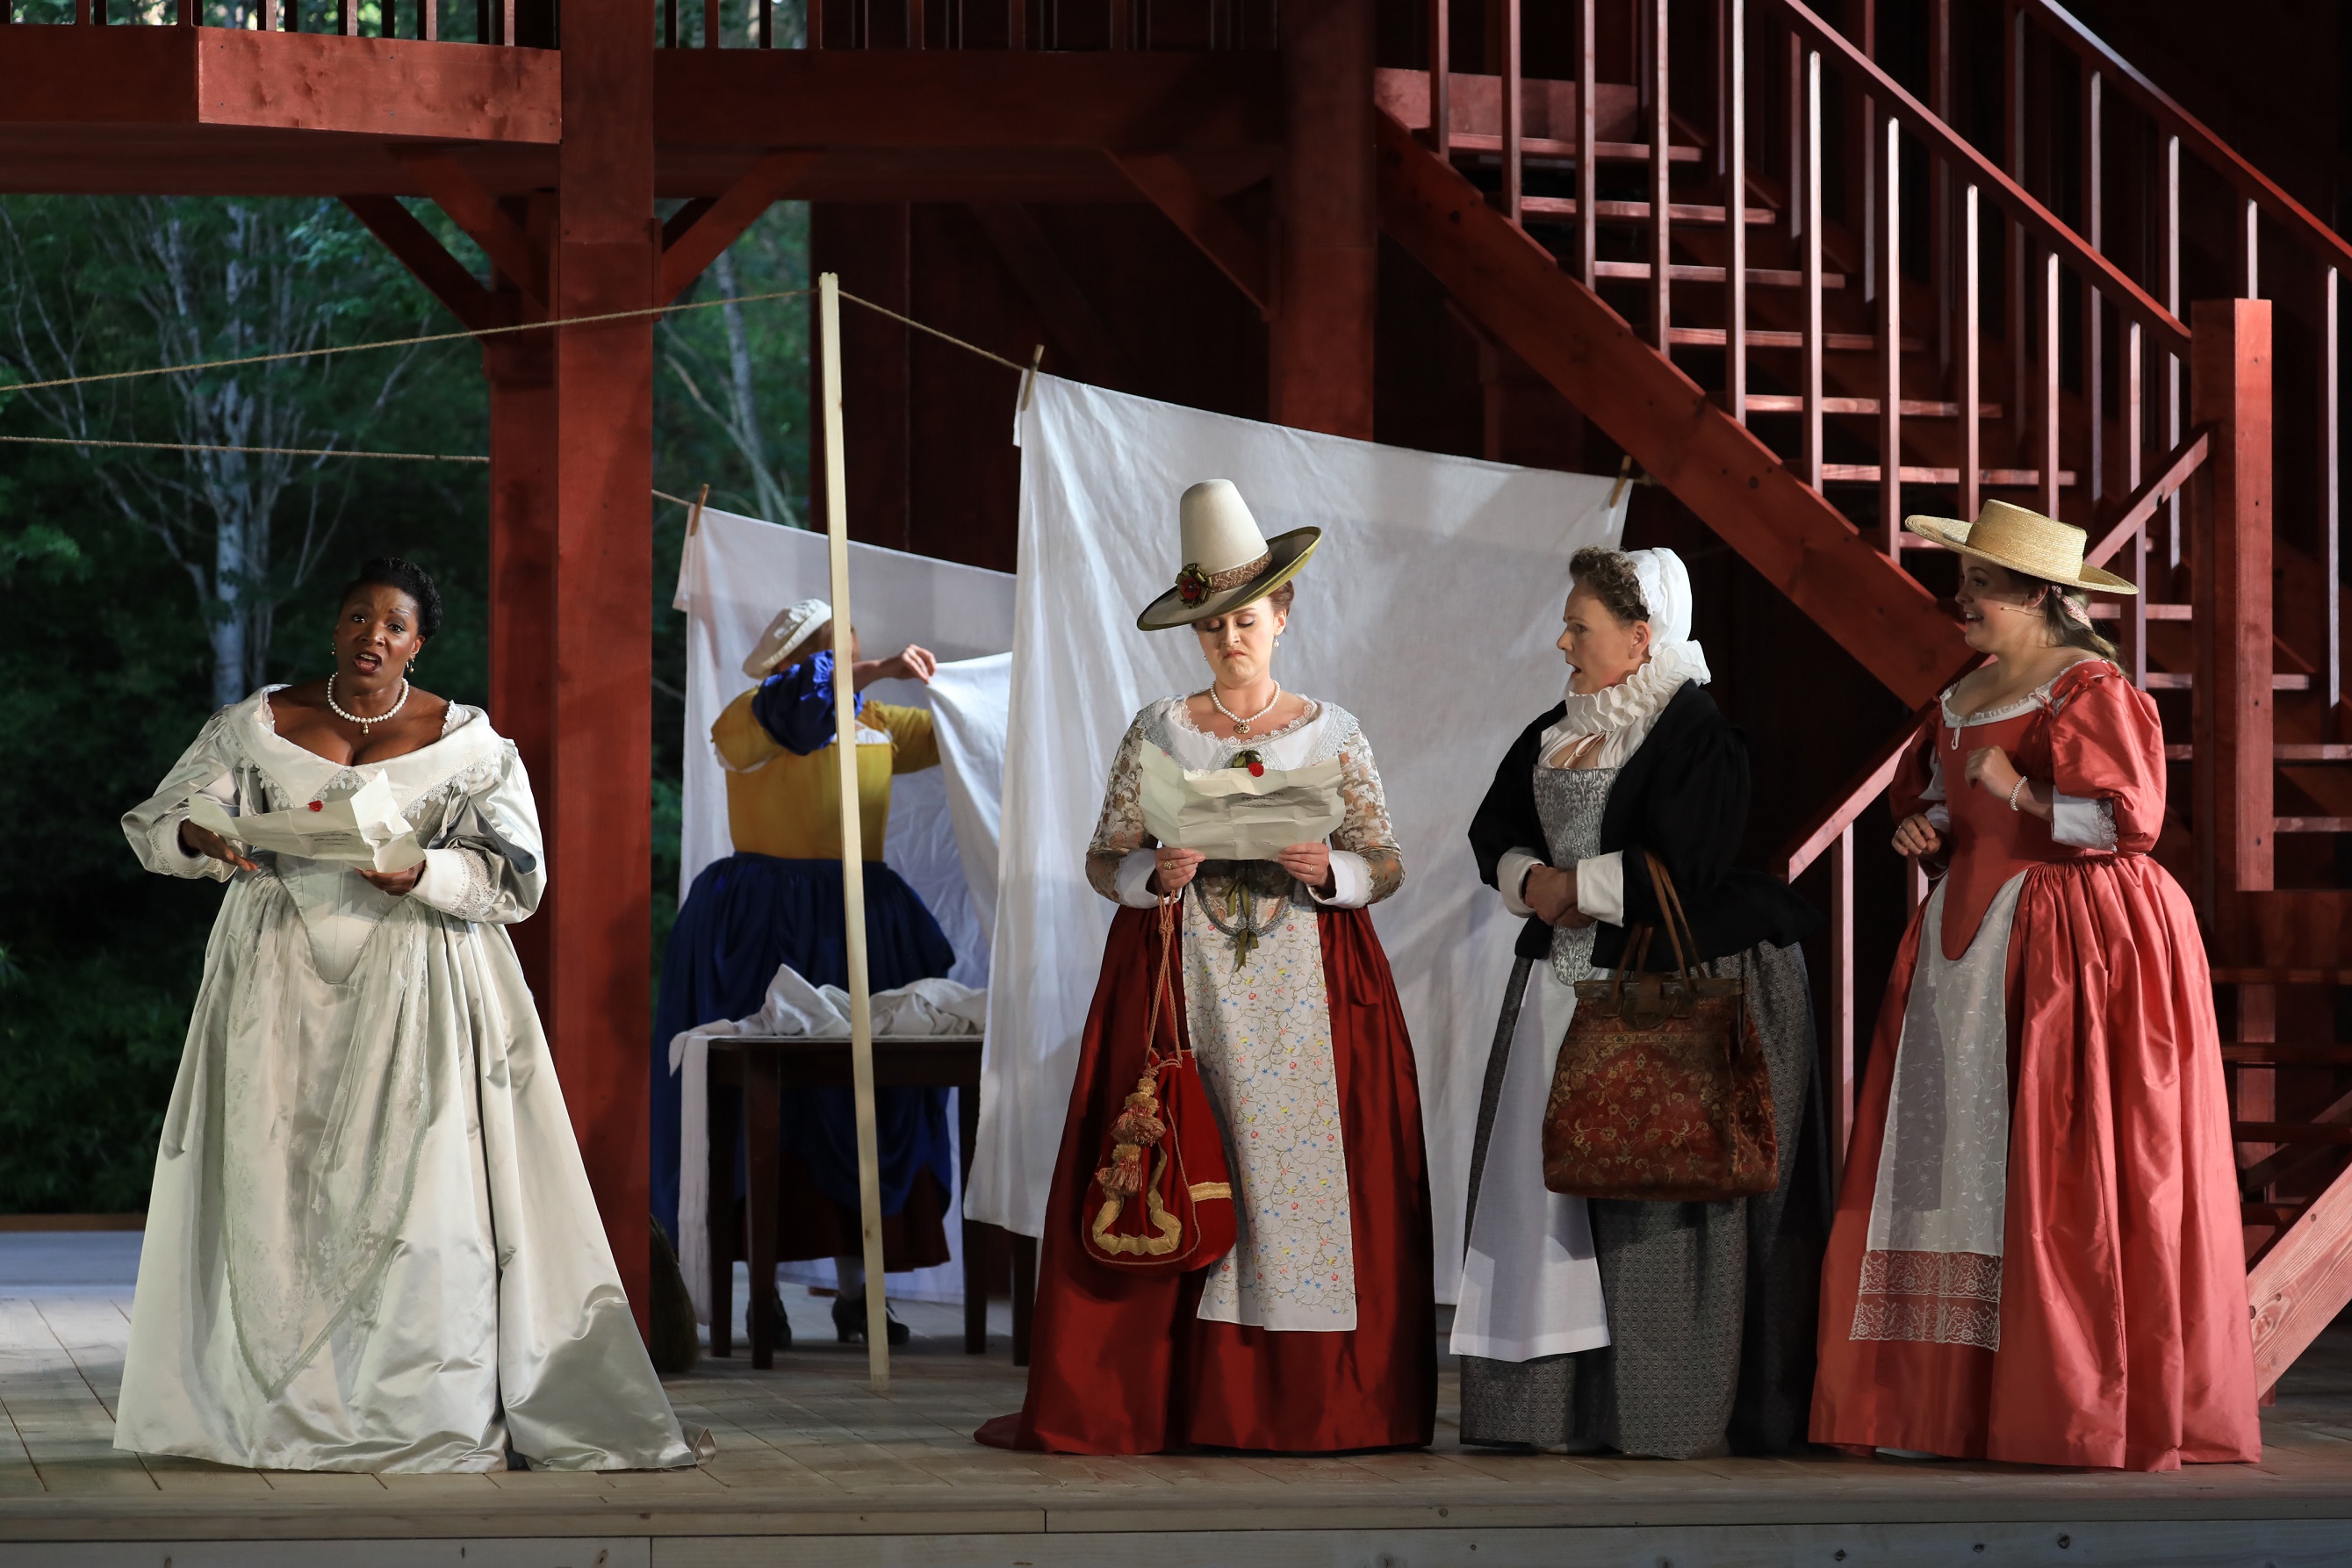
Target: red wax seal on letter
{"points": [[318, 805]]}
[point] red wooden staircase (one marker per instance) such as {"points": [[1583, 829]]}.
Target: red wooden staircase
{"points": [[1802, 294]]}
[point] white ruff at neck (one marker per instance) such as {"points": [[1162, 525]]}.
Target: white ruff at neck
{"points": [[1622, 714]]}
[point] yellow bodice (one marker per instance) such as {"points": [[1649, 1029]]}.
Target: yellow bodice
{"points": [[788, 806]]}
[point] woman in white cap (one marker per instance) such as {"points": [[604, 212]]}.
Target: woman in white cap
{"points": [[1316, 1331], [778, 899], [2037, 1255], [1661, 1329]]}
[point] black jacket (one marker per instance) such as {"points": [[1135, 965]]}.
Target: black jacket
{"points": [[1683, 796]]}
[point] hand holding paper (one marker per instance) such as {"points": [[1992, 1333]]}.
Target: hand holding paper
{"points": [[363, 829], [1226, 814]]}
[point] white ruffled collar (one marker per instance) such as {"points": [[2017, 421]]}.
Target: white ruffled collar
{"points": [[1624, 712]]}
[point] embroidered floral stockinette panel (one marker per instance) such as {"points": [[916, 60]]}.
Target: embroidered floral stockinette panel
{"points": [[1932, 1298]]}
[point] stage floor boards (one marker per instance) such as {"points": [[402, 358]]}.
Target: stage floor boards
{"points": [[813, 1468]]}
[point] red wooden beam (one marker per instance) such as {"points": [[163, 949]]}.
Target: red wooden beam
{"points": [[2230, 391], [422, 252], [1847, 805], [520, 258], [1173, 188], [720, 222], [2301, 1283], [1889, 622], [1325, 303], [598, 995]]}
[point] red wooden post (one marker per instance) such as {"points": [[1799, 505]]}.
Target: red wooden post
{"points": [[1661, 186], [1809, 203], [1888, 141], [520, 370], [606, 257], [1441, 78], [1840, 1043], [1588, 171], [2229, 388], [1734, 202], [1319, 335], [1971, 362], [1514, 113]]}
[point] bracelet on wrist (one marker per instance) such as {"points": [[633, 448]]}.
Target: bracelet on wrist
{"points": [[2013, 791]]}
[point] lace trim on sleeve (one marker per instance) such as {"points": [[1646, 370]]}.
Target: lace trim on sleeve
{"points": [[1119, 830], [476, 897], [1366, 830]]}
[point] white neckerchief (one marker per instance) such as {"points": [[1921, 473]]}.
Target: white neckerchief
{"points": [[1624, 714]]}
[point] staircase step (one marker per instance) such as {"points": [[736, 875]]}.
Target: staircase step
{"points": [[2312, 824], [1870, 473], [2155, 613], [2182, 682], [1551, 149], [1912, 407], [1692, 272], [1635, 212], [2243, 975], [2289, 1056], [1761, 338], [2289, 1133]]}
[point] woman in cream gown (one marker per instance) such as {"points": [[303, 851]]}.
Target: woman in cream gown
{"points": [[371, 1244]]}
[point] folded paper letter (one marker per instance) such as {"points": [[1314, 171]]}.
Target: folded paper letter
{"points": [[1227, 815], [364, 828]]}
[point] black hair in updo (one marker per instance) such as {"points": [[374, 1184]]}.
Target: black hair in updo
{"points": [[392, 572]]}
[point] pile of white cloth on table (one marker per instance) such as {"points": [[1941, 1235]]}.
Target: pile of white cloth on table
{"points": [[793, 1007]]}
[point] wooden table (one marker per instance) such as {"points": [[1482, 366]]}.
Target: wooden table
{"points": [[763, 1067]]}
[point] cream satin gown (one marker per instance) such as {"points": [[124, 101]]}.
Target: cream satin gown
{"points": [[371, 1244]]}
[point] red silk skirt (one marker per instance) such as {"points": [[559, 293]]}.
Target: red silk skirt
{"points": [[2124, 1336], [1121, 1364]]}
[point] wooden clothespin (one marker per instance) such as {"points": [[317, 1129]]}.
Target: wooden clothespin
{"points": [[1624, 477], [1029, 377], [694, 512]]}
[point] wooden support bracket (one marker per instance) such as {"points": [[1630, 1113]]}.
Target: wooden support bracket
{"points": [[2141, 505], [2302, 1282], [1171, 187], [512, 251], [1056, 293], [422, 252], [700, 232]]}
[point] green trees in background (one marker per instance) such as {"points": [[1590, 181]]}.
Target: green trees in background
{"points": [[145, 588]]}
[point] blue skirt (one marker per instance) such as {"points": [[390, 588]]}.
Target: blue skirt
{"points": [[743, 916]]}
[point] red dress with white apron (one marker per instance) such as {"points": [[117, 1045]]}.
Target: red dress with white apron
{"points": [[2037, 1253]]}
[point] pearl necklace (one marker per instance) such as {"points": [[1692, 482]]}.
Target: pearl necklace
{"points": [[1242, 725], [367, 726]]}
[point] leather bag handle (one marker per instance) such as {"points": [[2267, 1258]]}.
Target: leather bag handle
{"points": [[1678, 928]]}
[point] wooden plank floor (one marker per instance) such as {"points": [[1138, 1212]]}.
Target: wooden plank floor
{"points": [[808, 1450]]}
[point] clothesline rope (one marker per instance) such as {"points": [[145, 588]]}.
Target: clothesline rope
{"points": [[263, 451]]}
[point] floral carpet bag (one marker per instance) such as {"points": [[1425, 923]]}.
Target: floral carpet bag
{"points": [[1162, 1200], [1662, 1091]]}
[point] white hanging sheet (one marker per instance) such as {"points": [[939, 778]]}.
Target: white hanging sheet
{"points": [[734, 575], [1429, 611]]}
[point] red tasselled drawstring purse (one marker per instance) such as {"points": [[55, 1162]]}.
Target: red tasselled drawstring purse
{"points": [[1162, 1199]]}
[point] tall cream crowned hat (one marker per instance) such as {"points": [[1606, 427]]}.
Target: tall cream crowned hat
{"points": [[1227, 563], [2023, 542], [792, 627]]}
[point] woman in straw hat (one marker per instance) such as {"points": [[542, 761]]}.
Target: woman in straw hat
{"points": [[1316, 1331], [778, 899], [2037, 1255], [1707, 1329]]}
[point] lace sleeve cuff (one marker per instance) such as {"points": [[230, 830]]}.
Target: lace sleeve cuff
{"points": [[2084, 824], [1511, 879], [459, 883]]}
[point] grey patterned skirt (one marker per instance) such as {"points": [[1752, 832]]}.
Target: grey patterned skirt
{"points": [[1711, 1305]]}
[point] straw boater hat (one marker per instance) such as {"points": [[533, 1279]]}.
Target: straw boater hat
{"points": [[1227, 561], [792, 626], [2023, 542]]}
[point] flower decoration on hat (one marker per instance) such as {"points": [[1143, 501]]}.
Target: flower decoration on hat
{"points": [[1193, 584]]}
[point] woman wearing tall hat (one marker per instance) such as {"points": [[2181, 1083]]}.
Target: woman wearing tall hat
{"points": [[1669, 1330], [2037, 1254], [778, 899], [1316, 1330]]}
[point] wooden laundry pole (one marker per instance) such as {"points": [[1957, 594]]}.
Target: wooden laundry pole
{"points": [[852, 857]]}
